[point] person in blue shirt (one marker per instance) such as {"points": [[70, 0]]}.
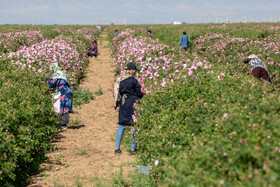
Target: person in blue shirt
{"points": [[116, 33], [150, 33], [184, 41]]}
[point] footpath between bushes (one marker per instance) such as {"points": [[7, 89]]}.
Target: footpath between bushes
{"points": [[85, 151]]}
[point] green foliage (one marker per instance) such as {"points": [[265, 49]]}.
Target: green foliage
{"points": [[99, 91], [67, 165], [50, 33], [210, 130], [82, 96], [118, 180], [81, 151], [219, 127], [75, 122], [56, 184], [27, 123], [78, 183], [170, 34]]}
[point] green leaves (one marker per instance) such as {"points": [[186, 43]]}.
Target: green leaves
{"points": [[27, 123], [224, 128], [216, 125], [82, 96]]}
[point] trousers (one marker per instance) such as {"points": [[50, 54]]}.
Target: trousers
{"points": [[119, 136]]}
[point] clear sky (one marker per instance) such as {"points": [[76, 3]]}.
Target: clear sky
{"points": [[136, 11]]}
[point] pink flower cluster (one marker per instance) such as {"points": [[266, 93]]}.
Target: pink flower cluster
{"points": [[12, 41], [159, 64], [274, 28], [88, 33], [63, 50], [219, 48]]}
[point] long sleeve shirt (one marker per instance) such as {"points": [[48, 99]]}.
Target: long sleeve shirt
{"points": [[93, 49], [184, 40], [66, 97], [130, 91]]}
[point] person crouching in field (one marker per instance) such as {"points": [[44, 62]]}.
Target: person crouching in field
{"points": [[59, 81], [93, 49], [184, 41], [258, 68], [127, 92]]}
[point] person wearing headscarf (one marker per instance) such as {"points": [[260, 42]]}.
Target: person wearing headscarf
{"points": [[93, 50], [127, 92], [258, 68], [60, 82]]}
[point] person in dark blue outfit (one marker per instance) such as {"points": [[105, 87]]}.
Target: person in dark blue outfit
{"points": [[59, 81], [127, 92], [184, 41]]}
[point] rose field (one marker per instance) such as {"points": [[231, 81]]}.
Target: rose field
{"points": [[204, 120], [26, 117]]}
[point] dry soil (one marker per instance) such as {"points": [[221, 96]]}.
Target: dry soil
{"points": [[86, 150]]}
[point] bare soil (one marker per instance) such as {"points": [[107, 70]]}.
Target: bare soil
{"points": [[86, 150]]}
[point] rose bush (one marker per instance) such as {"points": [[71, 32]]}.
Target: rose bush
{"points": [[68, 52], [204, 120], [12, 41], [159, 64], [27, 121], [225, 49]]}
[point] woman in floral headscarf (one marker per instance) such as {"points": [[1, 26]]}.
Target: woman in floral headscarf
{"points": [[258, 68], [60, 81]]}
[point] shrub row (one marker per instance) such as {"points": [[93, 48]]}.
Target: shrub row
{"points": [[12, 41], [27, 122], [205, 121], [64, 50]]}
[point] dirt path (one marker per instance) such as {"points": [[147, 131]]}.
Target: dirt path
{"points": [[86, 150]]}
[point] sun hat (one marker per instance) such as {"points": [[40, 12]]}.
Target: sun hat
{"points": [[131, 66], [249, 58], [252, 56]]}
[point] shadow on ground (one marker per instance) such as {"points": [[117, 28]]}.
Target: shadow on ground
{"points": [[75, 126]]}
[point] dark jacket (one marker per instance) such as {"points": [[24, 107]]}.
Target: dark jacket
{"points": [[93, 50], [130, 91]]}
